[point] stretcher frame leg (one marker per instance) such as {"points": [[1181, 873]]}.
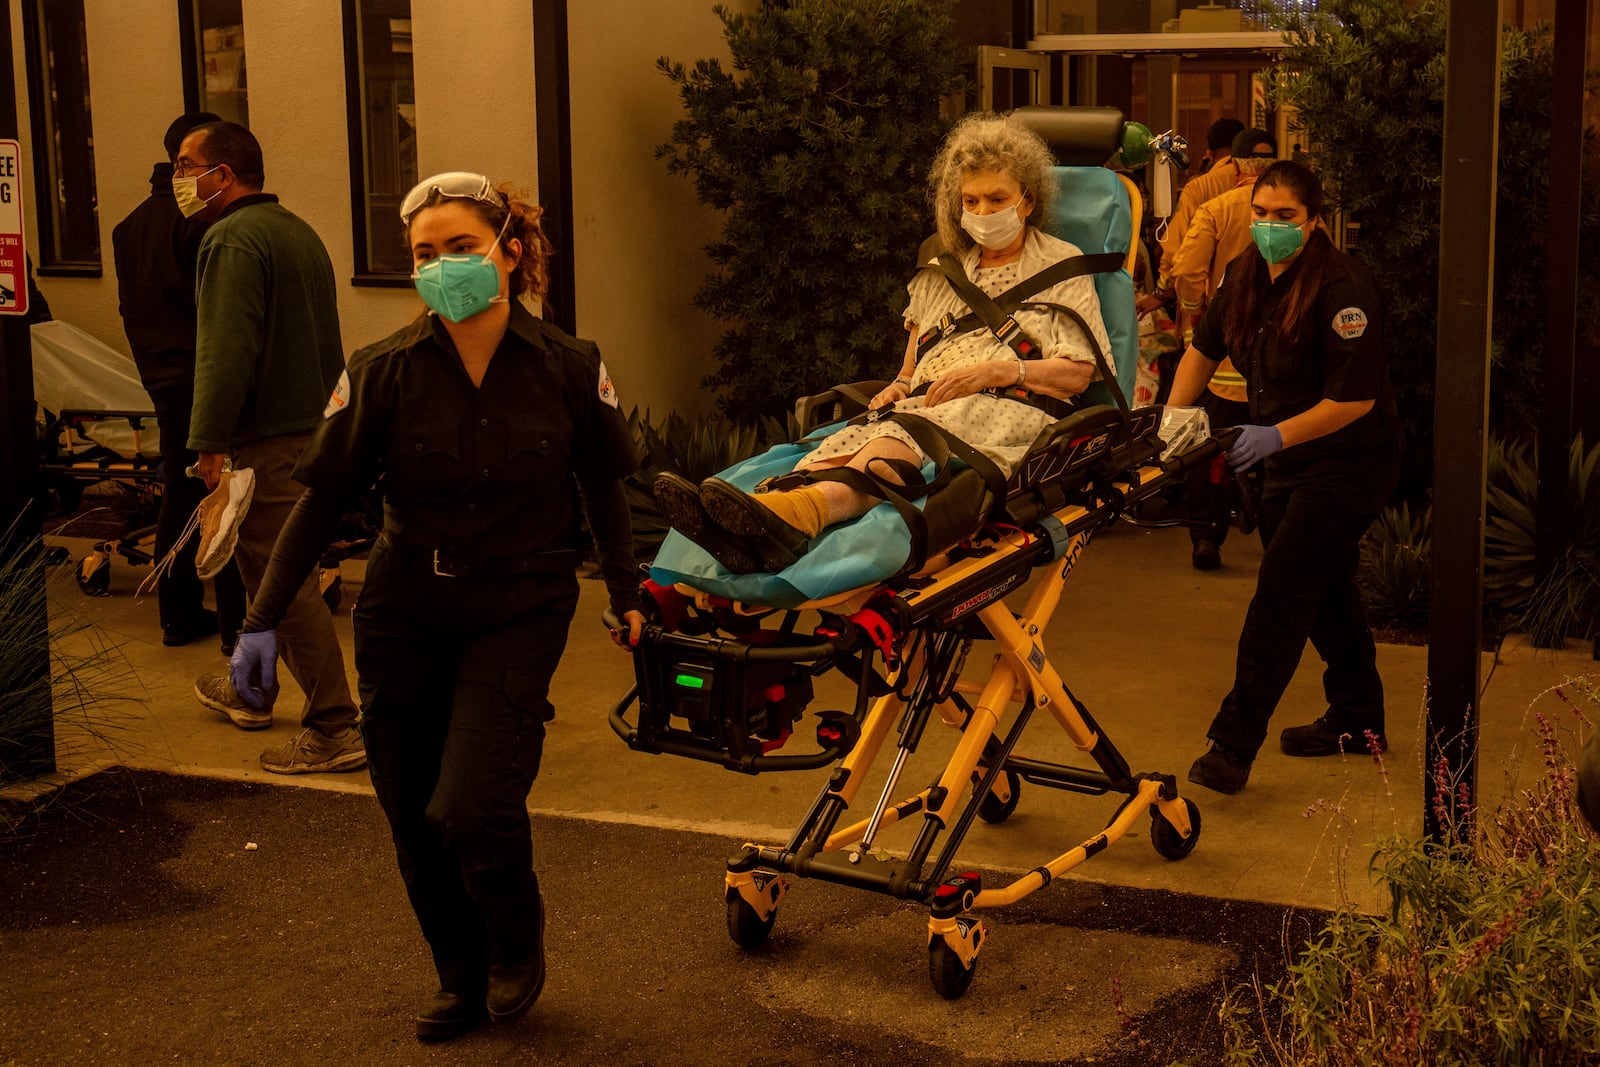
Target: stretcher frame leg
{"points": [[1020, 674]]}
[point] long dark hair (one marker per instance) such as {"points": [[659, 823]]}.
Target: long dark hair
{"points": [[1310, 266]]}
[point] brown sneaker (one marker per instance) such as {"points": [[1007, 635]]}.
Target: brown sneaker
{"points": [[218, 694], [308, 752]]}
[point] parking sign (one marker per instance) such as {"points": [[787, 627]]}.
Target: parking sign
{"points": [[13, 250]]}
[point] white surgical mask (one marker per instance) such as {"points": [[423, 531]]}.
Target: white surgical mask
{"points": [[187, 192], [996, 230]]}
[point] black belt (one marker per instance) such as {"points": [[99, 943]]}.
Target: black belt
{"points": [[457, 563]]}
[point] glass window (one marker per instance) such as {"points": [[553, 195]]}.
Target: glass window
{"points": [[383, 130], [215, 64], [63, 140]]}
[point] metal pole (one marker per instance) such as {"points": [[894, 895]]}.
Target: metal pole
{"points": [[1561, 283], [27, 733], [552, 105], [1461, 410]]}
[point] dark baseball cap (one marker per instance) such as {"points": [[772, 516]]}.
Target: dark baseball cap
{"points": [[1222, 132], [1244, 144]]}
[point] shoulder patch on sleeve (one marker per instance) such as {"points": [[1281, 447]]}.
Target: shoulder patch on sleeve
{"points": [[608, 392], [340, 398], [1350, 323]]}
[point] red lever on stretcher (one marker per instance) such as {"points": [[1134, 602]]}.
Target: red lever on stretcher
{"points": [[1219, 469], [879, 632]]}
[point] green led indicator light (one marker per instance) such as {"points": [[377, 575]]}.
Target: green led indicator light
{"points": [[690, 681]]}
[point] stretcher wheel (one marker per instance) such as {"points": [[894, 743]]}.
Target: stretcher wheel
{"points": [[747, 928], [1171, 844], [950, 977], [992, 809], [94, 573]]}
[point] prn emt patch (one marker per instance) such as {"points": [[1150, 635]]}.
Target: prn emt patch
{"points": [[1350, 323], [340, 398], [608, 392]]}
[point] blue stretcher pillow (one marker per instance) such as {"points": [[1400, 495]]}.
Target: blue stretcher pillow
{"points": [[848, 555], [1092, 211]]}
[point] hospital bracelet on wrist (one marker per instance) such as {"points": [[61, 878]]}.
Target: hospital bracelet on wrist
{"points": [[1022, 374]]}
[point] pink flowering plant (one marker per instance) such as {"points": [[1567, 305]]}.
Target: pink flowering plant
{"points": [[1489, 952]]}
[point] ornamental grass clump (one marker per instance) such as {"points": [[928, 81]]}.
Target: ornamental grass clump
{"points": [[1489, 952], [65, 691]]}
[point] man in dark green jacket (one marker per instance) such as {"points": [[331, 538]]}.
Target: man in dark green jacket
{"points": [[155, 249], [267, 358]]}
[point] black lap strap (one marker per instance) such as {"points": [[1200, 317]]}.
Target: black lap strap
{"points": [[933, 439], [935, 443]]}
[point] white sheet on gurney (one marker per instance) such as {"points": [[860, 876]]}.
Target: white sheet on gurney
{"points": [[74, 371]]}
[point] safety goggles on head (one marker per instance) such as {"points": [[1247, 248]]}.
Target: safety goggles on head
{"points": [[455, 184]]}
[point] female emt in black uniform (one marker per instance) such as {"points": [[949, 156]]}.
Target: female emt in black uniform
{"points": [[481, 425], [1302, 323]]}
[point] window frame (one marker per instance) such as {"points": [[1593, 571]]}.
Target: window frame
{"points": [[41, 113], [355, 122], [192, 36]]}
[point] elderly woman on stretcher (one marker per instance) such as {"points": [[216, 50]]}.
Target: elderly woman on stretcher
{"points": [[964, 387]]}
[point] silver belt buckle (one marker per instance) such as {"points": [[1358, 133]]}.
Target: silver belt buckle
{"points": [[436, 570]]}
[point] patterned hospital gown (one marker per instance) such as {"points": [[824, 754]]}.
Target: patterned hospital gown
{"points": [[1001, 429]]}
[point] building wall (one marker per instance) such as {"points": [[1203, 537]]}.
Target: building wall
{"points": [[639, 231], [297, 111], [473, 64]]}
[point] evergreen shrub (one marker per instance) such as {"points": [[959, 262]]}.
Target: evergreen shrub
{"points": [[816, 143], [1366, 79]]}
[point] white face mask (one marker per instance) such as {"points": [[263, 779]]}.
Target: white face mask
{"points": [[996, 230], [187, 192]]}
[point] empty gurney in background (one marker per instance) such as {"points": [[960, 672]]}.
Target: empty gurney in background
{"points": [[96, 424]]}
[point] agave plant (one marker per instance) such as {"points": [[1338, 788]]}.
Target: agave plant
{"points": [[1566, 601], [1395, 569]]}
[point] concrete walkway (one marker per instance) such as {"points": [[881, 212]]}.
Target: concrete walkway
{"points": [[1142, 639]]}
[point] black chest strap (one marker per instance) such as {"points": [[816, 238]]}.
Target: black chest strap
{"points": [[995, 313]]}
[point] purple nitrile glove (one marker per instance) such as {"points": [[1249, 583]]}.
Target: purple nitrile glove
{"points": [[253, 670], [1254, 444]]}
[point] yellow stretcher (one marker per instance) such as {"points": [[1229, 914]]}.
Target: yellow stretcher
{"points": [[729, 683]]}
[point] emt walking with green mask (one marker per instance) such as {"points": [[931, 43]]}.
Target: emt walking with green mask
{"points": [[1303, 324], [483, 427]]}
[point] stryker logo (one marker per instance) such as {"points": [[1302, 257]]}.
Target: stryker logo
{"points": [[1074, 551]]}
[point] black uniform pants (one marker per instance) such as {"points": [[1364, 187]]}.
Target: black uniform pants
{"points": [[180, 594], [454, 681], [1306, 589]]}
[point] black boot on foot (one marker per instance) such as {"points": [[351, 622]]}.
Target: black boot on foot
{"points": [[450, 1015], [1221, 770], [514, 987], [1326, 737]]}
